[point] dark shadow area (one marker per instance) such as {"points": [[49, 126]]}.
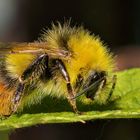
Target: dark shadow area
{"points": [[95, 130], [52, 104]]}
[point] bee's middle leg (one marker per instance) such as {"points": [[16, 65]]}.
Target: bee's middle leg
{"points": [[31, 73], [69, 87]]}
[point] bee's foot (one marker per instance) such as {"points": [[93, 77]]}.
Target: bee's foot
{"points": [[14, 108], [79, 113]]}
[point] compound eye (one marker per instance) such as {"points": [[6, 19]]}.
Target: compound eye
{"points": [[96, 76], [93, 77]]}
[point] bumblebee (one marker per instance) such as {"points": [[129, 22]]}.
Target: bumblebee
{"points": [[65, 62]]}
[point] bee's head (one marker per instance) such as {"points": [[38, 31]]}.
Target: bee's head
{"points": [[90, 85]]}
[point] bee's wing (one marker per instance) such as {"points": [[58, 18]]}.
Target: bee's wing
{"points": [[32, 48]]}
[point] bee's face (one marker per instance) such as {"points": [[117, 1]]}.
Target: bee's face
{"points": [[90, 84]]}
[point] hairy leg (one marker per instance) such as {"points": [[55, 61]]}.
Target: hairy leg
{"points": [[71, 95], [32, 73]]}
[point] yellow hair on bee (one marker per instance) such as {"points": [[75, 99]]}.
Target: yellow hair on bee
{"points": [[89, 53], [17, 63]]}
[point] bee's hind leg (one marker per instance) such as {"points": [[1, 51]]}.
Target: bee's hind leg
{"points": [[32, 73], [18, 94], [71, 95]]}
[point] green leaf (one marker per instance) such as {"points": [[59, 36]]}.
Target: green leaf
{"points": [[124, 103]]}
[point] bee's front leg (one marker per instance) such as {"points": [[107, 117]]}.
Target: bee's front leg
{"points": [[114, 79], [32, 73], [71, 95]]}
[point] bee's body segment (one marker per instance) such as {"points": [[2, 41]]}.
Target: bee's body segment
{"points": [[64, 62], [5, 100]]}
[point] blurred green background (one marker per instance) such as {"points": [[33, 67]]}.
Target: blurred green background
{"points": [[117, 22]]}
